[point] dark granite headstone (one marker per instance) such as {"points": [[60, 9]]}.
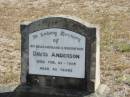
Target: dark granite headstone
{"points": [[59, 58]]}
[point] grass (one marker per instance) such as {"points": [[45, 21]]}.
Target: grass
{"points": [[124, 47]]}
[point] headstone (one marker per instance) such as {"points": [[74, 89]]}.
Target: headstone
{"points": [[60, 58]]}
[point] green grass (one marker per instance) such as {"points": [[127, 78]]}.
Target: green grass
{"points": [[123, 47]]}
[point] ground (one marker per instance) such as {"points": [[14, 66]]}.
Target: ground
{"points": [[112, 16]]}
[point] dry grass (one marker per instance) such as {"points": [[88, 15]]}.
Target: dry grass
{"points": [[113, 16]]}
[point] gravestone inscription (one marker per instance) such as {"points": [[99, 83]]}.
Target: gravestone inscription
{"points": [[57, 52], [59, 58]]}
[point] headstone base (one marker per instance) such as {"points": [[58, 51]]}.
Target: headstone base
{"points": [[25, 91]]}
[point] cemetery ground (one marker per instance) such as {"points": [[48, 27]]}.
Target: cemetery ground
{"points": [[113, 17]]}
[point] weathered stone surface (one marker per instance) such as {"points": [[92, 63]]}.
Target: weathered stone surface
{"points": [[54, 85]]}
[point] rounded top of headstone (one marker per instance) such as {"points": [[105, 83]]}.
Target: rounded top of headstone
{"points": [[63, 22], [62, 17], [72, 18]]}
